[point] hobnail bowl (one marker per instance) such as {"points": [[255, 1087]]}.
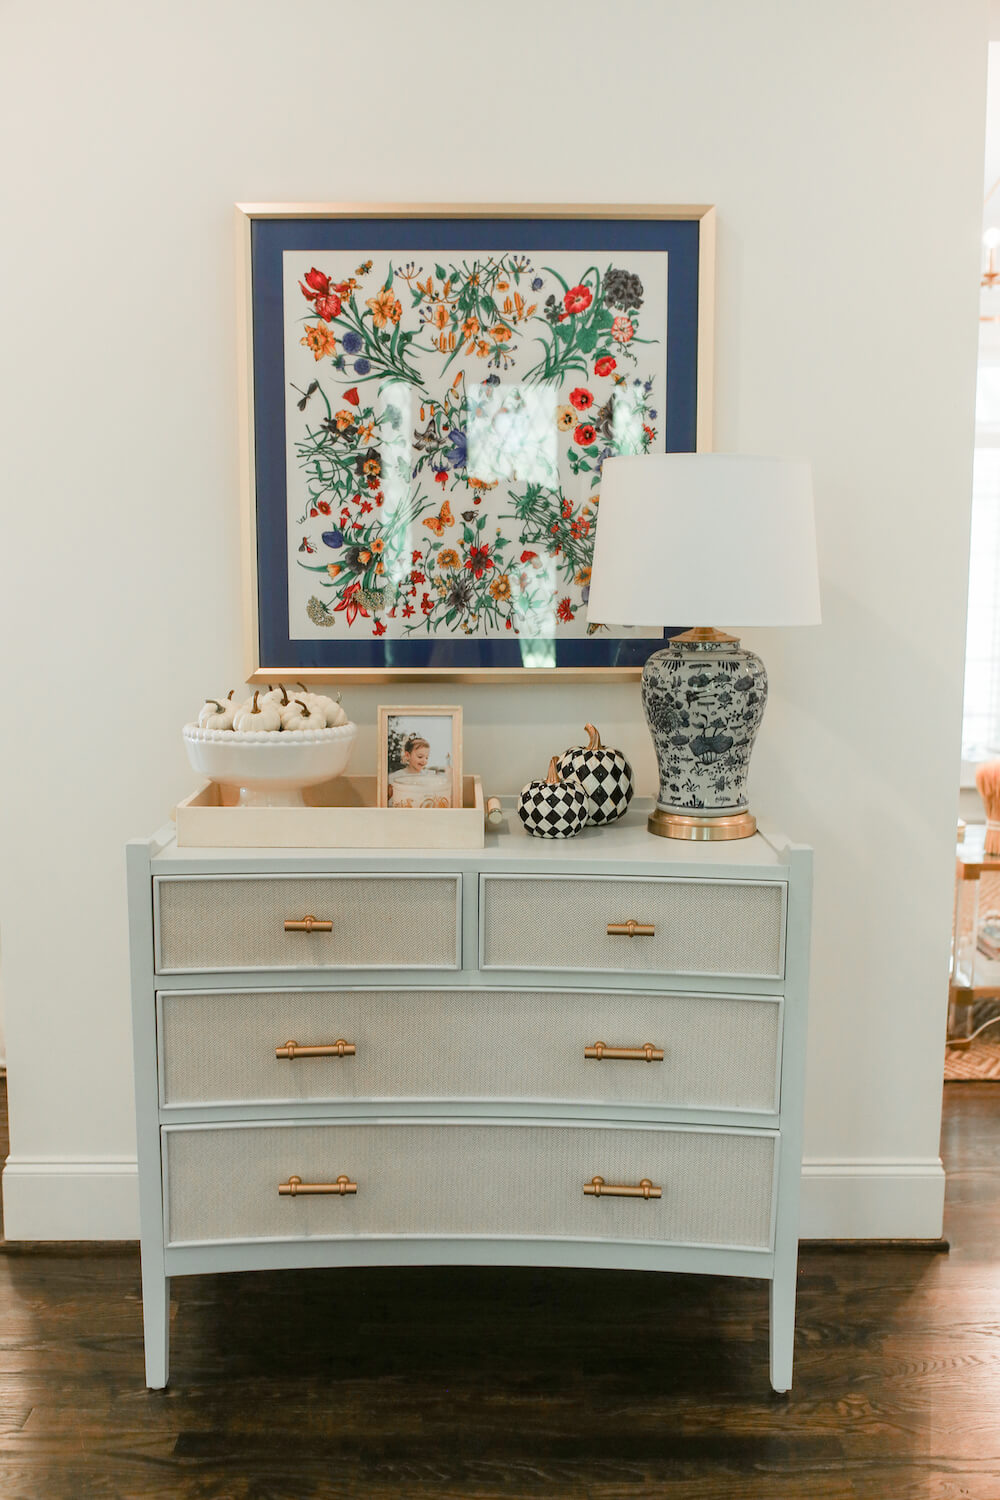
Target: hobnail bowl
{"points": [[270, 769]]}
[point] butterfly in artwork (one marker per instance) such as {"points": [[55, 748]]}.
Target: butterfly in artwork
{"points": [[443, 518], [310, 390], [306, 545]]}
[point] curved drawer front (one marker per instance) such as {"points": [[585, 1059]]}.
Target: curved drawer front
{"points": [[438, 1179], [206, 923], [219, 1047], [731, 928]]}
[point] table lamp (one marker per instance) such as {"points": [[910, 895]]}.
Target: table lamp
{"points": [[704, 536]]}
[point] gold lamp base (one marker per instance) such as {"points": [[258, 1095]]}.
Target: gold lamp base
{"points": [[677, 826]]}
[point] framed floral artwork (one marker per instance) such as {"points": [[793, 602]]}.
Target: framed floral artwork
{"points": [[430, 395]]}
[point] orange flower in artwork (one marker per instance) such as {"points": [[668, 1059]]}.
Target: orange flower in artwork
{"points": [[441, 316], [320, 340], [386, 308], [500, 334]]}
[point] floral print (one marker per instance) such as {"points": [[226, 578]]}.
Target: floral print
{"points": [[446, 426]]}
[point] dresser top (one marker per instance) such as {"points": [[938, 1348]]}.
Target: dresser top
{"points": [[624, 847]]}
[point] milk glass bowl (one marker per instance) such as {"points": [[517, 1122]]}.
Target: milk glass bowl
{"points": [[270, 769]]}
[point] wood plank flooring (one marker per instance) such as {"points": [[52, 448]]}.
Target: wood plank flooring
{"points": [[469, 1384]]}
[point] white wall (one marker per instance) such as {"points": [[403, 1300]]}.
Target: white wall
{"points": [[843, 147]]}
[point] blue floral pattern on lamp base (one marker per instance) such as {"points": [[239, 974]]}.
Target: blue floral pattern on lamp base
{"points": [[704, 701]]}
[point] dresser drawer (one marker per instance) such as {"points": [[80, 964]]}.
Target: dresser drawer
{"points": [[208, 923], [730, 928], [221, 1184], [219, 1047]]}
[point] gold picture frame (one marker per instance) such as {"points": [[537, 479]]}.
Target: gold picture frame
{"points": [[258, 498], [428, 789]]}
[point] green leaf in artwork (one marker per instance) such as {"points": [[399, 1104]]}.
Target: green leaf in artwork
{"points": [[583, 464], [387, 283], [592, 451], [440, 273], [586, 339], [603, 318]]}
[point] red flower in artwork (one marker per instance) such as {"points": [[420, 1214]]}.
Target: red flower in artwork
{"points": [[349, 604], [352, 395], [479, 561], [416, 556], [567, 510], [530, 557], [418, 577], [367, 507], [313, 511], [324, 506], [441, 476], [317, 289], [379, 628], [427, 604], [408, 610], [605, 364], [565, 610], [581, 398], [578, 299], [585, 434]]}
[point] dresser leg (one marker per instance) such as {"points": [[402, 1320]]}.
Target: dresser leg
{"points": [[156, 1330], [782, 1299]]}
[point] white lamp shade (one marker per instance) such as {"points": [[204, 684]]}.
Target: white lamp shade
{"points": [[705, 539]]}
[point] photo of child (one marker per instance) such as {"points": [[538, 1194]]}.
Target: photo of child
{"points": [[421, 753]]}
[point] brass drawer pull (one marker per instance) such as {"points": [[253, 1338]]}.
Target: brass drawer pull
{"points": [[646, 1053], [598, 1188], [307, 924], [295, 1187], [631, 929], [339, 1048]]}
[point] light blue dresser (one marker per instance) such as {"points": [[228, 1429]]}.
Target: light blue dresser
{"points": [[586, 1053]]}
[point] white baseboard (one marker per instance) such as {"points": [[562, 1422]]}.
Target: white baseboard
{"points": [[899, 1198], [64, 1198], [860, 1199]]}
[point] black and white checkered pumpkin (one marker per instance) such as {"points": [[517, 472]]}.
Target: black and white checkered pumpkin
{"points": [[604, 774], [553, 808]]}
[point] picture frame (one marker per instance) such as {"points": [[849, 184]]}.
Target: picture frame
{"points": [[419, 757], [380, 544]]}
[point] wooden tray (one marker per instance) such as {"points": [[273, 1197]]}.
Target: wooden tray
{"points": [[341, 815]]}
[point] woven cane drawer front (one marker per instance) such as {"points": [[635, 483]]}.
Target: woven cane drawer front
{"points": [[218, 1047], [731, 928], [207, 923], [442, 1180]]}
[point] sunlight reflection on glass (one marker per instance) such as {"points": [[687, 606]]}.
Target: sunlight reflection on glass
{"points": [[512, 433], [396, 398]]}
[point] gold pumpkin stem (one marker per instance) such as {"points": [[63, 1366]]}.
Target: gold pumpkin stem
{"points": [[217, 704], [305, 710], [552, 779], [284, 695], [594, 743], [255, 709], [229, 695]]}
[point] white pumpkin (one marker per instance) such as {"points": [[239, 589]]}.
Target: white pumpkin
{"points": [[315, 702], [299, 715], [276, 695], [331, 710], [216, 715], [255, 718]]}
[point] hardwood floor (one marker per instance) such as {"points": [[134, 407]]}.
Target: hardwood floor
{"points": [[475, 1384]]}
